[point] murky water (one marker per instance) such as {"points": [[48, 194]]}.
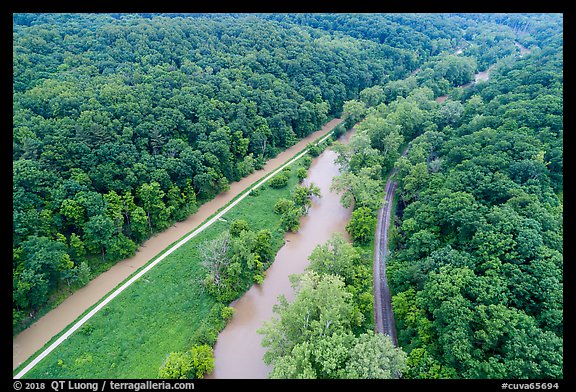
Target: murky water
{"points": [[523, 50], [480, 76], [238, 352], [38, 334], [441, 98]]}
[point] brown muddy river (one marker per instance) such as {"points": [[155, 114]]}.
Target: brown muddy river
{"points": [[238, 352], [38, 334]]}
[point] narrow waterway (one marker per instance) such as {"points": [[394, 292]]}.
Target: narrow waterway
{"points": [[38, 334], [238, 352], [480, 76], [483, 76], [523, 50]]}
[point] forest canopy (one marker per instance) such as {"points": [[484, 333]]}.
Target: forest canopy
{"points": [[123, 124]]}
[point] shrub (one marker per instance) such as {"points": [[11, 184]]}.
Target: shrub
{"points": [[314, 150], [258, 279], [259, 163], [361, 225], [178, 365], [279, 181], [205, 335], [202, 360], [238, 226], [339, 130], [227, 312], [190, 364], [290, 220], [283, 205], [301, 173]]}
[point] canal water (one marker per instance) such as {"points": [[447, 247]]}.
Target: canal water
{"points": [[38, 334]]}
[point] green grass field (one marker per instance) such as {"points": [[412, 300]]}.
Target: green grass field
{"points": [[159, 313]]}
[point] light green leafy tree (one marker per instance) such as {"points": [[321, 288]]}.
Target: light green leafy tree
{"points": [[374, 356], [322, 306], [361, 225], [337, 257]]}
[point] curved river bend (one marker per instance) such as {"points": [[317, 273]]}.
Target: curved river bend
{"points": [[238, 352]]}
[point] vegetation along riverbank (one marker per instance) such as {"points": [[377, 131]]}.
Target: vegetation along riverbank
{"points": [[127, 126]]}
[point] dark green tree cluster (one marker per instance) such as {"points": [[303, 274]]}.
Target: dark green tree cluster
{"points": [[477, 273], [447, 71], [477, 268], [280, 180], [492, 35], [485, 40], [399, 110], [406, 39], [374, 148], [121, 122], [322, 333]]}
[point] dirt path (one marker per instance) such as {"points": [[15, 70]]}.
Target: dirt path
{"points": [[38, 334], [383, 314]]}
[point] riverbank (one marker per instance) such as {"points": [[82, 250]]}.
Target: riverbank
{"points": [[238, 351], [31, 340], [478, 77]]}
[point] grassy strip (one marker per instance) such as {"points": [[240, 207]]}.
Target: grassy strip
{"points": [[157, 314], [90, 349], [91, 309], [99, 267]]}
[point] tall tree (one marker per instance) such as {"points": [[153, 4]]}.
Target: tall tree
{"points": [[97, 233]]}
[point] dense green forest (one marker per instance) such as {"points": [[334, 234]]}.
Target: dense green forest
{"points": [[334, 300], [476, 262], [123, 124], [478, 267]]}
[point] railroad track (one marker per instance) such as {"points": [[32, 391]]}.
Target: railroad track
{"points": [[383, 312]]}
